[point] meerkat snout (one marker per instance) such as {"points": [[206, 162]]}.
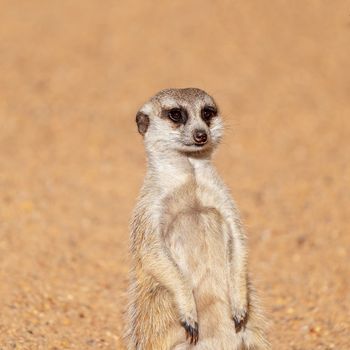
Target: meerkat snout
{"points": [[200, 137]]}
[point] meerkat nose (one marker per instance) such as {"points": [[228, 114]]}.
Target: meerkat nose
{"points": [[200, 136]]}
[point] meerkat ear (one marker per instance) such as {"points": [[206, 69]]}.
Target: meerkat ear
{"points": [[142, 121]]}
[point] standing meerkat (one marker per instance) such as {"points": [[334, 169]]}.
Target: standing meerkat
{"points": [[189, 284]]}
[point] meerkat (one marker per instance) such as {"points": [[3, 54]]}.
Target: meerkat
{"points": [[189, 286]]}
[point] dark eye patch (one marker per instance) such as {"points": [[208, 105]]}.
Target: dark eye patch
{"points": [[208, 113], [176, 115]]}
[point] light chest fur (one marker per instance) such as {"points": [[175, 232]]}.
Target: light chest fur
{"points": [[196, 234]]}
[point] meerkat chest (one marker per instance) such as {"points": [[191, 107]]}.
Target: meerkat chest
{"points": [[194, 231]]}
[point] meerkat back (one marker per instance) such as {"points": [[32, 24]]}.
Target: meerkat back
{"points": [[189, 284]]}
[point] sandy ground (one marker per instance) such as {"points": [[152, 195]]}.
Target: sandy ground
{"points": [[72, 76]]}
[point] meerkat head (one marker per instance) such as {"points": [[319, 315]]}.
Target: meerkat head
{"points": [[185, 120]]}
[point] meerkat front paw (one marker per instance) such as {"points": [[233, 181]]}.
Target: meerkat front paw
{"points": [[191, 331], [240, 317], [188, 318]]}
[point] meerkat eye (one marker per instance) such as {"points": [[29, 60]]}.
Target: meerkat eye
{"points": [[208, 113], [175, 115]]}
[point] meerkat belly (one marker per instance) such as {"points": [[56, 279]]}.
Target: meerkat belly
{"points": [[196, 241]]}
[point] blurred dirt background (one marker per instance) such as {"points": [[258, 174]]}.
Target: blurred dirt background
{"points": [[72, 76]]}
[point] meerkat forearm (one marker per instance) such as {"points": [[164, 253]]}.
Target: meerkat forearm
{"points": [[238, 266], [157, 261], [238, 279]]}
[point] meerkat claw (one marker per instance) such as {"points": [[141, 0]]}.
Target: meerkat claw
{"points": [[240, 320], [191, 332]]}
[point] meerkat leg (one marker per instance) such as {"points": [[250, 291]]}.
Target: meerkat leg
{"points": [[157, 261], [238, 276]]}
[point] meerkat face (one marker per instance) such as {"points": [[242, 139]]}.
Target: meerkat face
{"points": [[186, 120]]}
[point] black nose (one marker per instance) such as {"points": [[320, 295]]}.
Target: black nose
{"points": [[200, 137]]}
